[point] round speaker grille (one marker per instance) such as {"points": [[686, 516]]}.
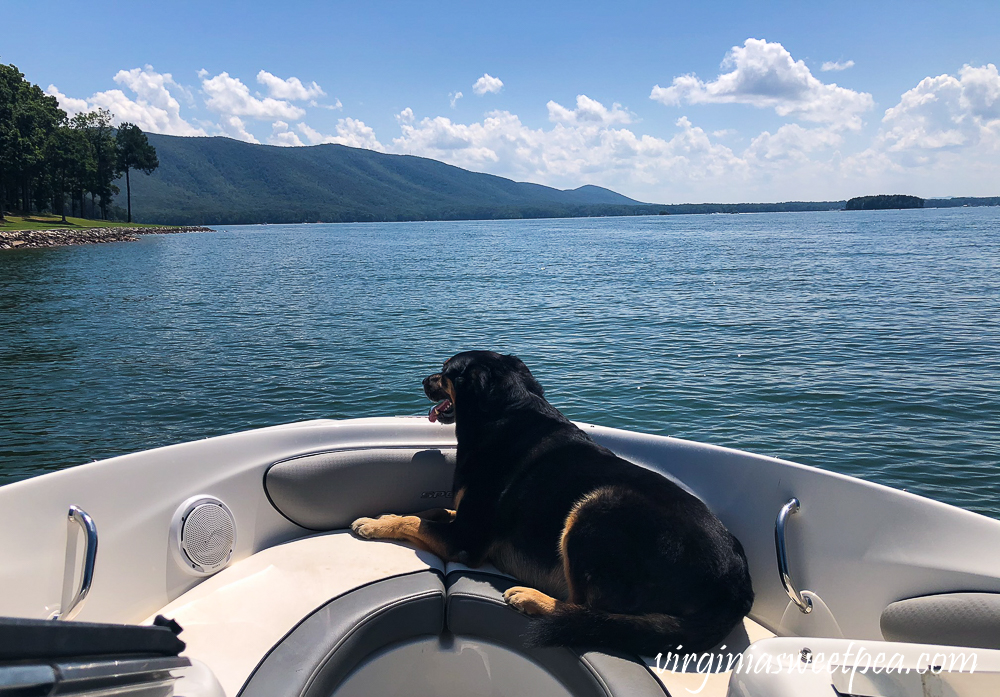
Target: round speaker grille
{"points": [[204, 533], [207, 535]]}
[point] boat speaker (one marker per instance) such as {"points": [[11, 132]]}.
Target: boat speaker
{"points": [[203, 535]]}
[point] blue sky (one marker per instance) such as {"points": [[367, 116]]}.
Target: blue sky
{"points": [[663, 101]]}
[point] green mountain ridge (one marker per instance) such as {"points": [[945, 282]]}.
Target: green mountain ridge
{"points": [[216, 180]]}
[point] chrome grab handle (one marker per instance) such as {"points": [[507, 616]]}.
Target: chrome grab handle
{"points": [[79, 516], [804, 604]]}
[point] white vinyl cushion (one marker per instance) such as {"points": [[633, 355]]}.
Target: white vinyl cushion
{"points": [[232, 619]]}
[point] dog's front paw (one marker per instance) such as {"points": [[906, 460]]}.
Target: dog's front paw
{"points": [[364, 527], [529, 601], [376, 528]]}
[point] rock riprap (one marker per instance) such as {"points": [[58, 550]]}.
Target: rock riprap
{"points": [[28, 239]]}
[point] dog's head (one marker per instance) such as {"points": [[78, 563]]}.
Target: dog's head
{"points": [[482, 382]]}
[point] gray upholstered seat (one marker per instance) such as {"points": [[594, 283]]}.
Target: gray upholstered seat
{"points": [[327, 491], [475, 606], [952, 619], [451, 642], [316, 656]]}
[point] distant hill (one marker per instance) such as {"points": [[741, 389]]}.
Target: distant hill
{"points": [[219, 180]]}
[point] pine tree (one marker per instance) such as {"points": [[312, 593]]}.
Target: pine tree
{"points": [[101, 134], [134, 152], [70, 158]]}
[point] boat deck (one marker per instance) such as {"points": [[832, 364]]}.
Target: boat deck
{"points": [[233, 620]]}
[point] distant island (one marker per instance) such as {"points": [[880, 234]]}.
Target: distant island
{"points": [[884, 202]]}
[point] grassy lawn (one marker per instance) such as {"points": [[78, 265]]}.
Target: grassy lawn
{"points": [[47, 222]]}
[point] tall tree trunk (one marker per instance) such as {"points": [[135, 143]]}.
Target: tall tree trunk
{"points": [[128, 194]]}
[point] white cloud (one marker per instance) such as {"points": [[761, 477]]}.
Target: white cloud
{"points": [[440, 138], [945, 114], [487, 83], [154, 109], [589, 111], [836, 66], [291, 88], [70, 105], [791, 142], [281, 135], [453, 98], [350, 132], [766, 76], [942, 138], [229, 96], [575, 151], [337, 106], [234, 127]]}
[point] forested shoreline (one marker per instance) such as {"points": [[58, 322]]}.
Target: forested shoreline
{"points": [[51, 163]]}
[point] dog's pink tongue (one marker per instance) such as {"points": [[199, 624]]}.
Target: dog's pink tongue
{"points": [[443, 405]]}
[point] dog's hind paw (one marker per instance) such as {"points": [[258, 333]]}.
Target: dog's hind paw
{"points": [[529, 601]]}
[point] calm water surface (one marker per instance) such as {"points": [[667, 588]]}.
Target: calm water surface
{"points": [[865, 343]]}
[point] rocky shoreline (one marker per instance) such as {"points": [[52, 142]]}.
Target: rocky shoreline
{"points": [[30, 239]]}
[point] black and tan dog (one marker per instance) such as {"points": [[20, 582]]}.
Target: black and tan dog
{"points": [[617, 555]]}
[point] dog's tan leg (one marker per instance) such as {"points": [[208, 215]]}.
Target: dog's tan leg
{"points": [[408, 528], [441, 515], [576, 590], [531, 601], [572, 592]]}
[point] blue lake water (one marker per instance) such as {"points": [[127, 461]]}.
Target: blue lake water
{"points": [[866, 342]]}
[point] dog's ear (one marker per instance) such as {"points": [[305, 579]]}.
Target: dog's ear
{"points": [[472, 381], [487, 390], [526, 378]]}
